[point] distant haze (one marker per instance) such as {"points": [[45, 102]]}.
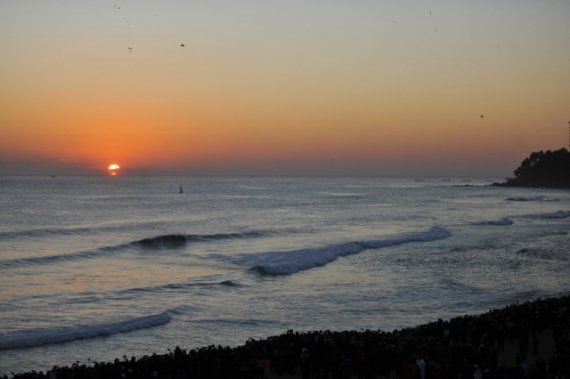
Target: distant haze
{"points": [[281, 88]]}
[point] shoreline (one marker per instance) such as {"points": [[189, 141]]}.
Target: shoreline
{"points": [[510, 183], [530, 339]]}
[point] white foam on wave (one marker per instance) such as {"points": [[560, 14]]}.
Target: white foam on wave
{"points": [[291, 262], [48, 336]]}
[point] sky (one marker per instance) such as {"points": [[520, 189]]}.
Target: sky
{"points": [[251, 87]]}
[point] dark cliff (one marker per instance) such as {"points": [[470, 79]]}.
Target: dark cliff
{"points": [[543, 169]]}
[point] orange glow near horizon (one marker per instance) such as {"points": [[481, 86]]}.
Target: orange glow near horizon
{"points": [[370, 89], [113, 169]]}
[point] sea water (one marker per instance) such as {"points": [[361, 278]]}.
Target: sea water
{"points": [[97, 268]]}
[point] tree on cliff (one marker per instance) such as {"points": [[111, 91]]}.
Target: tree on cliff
{"points": [[544, 169]]}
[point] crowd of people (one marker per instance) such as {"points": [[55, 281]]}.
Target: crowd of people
{"points": [[461, 348]]}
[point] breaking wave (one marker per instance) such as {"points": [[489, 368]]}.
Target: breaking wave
{"points": [[291, 262], [49, 336]]}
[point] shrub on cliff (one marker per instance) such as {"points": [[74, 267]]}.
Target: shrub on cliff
{"points": [[544, 169]]}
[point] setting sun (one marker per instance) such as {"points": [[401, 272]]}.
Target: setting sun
{"points": [[113, 169]]}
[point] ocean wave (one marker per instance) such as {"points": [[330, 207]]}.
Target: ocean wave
{"points": [[45, 232], [86, 230], [180, 240], [291, 262], [500, 222], [79, 230], [52, 259], [170, 241], [48, 336], [556, 215], [182, 286], [528, 198], [160, 242]]}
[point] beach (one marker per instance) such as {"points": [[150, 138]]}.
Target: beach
{"points": [[96, 268], [323, 189], [528, 340]]}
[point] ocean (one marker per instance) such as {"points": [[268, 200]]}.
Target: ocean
{"points": [[97, 268]]}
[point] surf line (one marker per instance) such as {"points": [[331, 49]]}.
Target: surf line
{"points": [[291, 262]]}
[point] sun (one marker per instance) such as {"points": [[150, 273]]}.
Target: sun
{"points": [[113, 169]]}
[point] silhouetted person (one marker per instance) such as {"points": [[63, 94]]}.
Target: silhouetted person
{"points": [[305, 359]]}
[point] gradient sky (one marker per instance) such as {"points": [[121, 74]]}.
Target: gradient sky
{"points": [[384, 87]]}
